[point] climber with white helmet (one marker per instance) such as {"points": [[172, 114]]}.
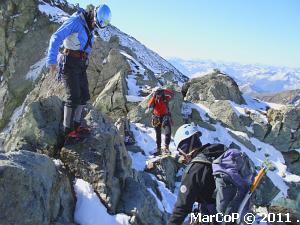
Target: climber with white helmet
{"points": [[197, 184], [76, 35]]}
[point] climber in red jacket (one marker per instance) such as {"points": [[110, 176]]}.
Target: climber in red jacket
{"points": [[161, 118]]}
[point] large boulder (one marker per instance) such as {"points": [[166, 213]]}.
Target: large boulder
{"points": [[38, 127], [165, 169], [112, 99], [223, 111], [140, 204], [292, 160], [105, 63], [266, 191], [101, 159], [211, 87], [288, 204], [284, 134], [35, 191]]}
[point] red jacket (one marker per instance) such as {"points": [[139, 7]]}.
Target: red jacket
{"points": [[159, 105]]}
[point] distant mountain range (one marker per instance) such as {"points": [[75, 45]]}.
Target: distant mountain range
{"points": [[285, 97], [252, 78]]}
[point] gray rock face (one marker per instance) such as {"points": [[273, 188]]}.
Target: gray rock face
{"points": [[244, 140], [112, 100], [142, 211], [38, 129], [35, 191], [126, 134], [285, 97], [285, 132], [165, 169], [213, 87], [223, 111], [21, 25], [104, 65], [101, 159], [292, 160], [266, 191], [286, 214]]}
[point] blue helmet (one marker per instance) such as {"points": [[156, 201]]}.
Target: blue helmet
{"points": [[102, 16]]}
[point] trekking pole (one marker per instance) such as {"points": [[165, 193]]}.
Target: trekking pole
{"points": [[262, 172]]}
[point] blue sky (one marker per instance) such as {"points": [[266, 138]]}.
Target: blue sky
{"points": [[246, 31]]}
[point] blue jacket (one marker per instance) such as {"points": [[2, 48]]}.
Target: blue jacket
{"points": [[72, 34]]}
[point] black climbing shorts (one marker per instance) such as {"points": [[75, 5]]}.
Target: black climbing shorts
{"points": [[75, 80]]}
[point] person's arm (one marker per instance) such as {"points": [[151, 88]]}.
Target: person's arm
{"points": [[151, 102], [192, 186], [57, 39]]}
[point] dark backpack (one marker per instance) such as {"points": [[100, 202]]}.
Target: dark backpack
{"points": [[234, 172]]}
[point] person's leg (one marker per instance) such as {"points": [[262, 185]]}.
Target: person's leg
{"points": [[72, 88], [77, 116], [226, 193], [168, 131], [84, 97], [158, 139]]}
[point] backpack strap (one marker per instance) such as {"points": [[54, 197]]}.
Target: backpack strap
{"points": [[89, 41], [191, 144]]}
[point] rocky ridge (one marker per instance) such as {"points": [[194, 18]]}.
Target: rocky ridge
{"points": [[121, 83]]}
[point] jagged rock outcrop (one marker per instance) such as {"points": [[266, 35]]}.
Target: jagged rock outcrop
{"points": [[265, 192], [284, 216], [112, 100], [285, 97], [36, 192], [21, 25], [215, 86], [292, 160], [123, 126], [165, 169], [105, 63], [137, 202], [101, 159], [285, 131], [38, 129], [223, 111]]}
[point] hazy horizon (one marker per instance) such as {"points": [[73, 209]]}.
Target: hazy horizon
{"points": [[248, 32]]}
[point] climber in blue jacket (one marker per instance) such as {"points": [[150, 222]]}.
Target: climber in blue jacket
{"points": [[76, 35]]}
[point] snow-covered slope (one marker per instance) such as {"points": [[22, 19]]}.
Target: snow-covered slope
{"points": [[250, 77], [147, 57]]}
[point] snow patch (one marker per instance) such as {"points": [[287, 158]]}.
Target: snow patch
{"points": [[56, 14], [133, 98], [159, 203], [168, 198], [58, 162], [147, 57], [89, 209], [202, 109], [36, 70], [133, 88]]}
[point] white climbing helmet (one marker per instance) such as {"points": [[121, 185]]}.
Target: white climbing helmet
{"points": [[184, 132]]}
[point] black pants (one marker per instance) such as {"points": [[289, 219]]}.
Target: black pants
{"points": [[73, 72], [166, 125], [75, 81]]}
